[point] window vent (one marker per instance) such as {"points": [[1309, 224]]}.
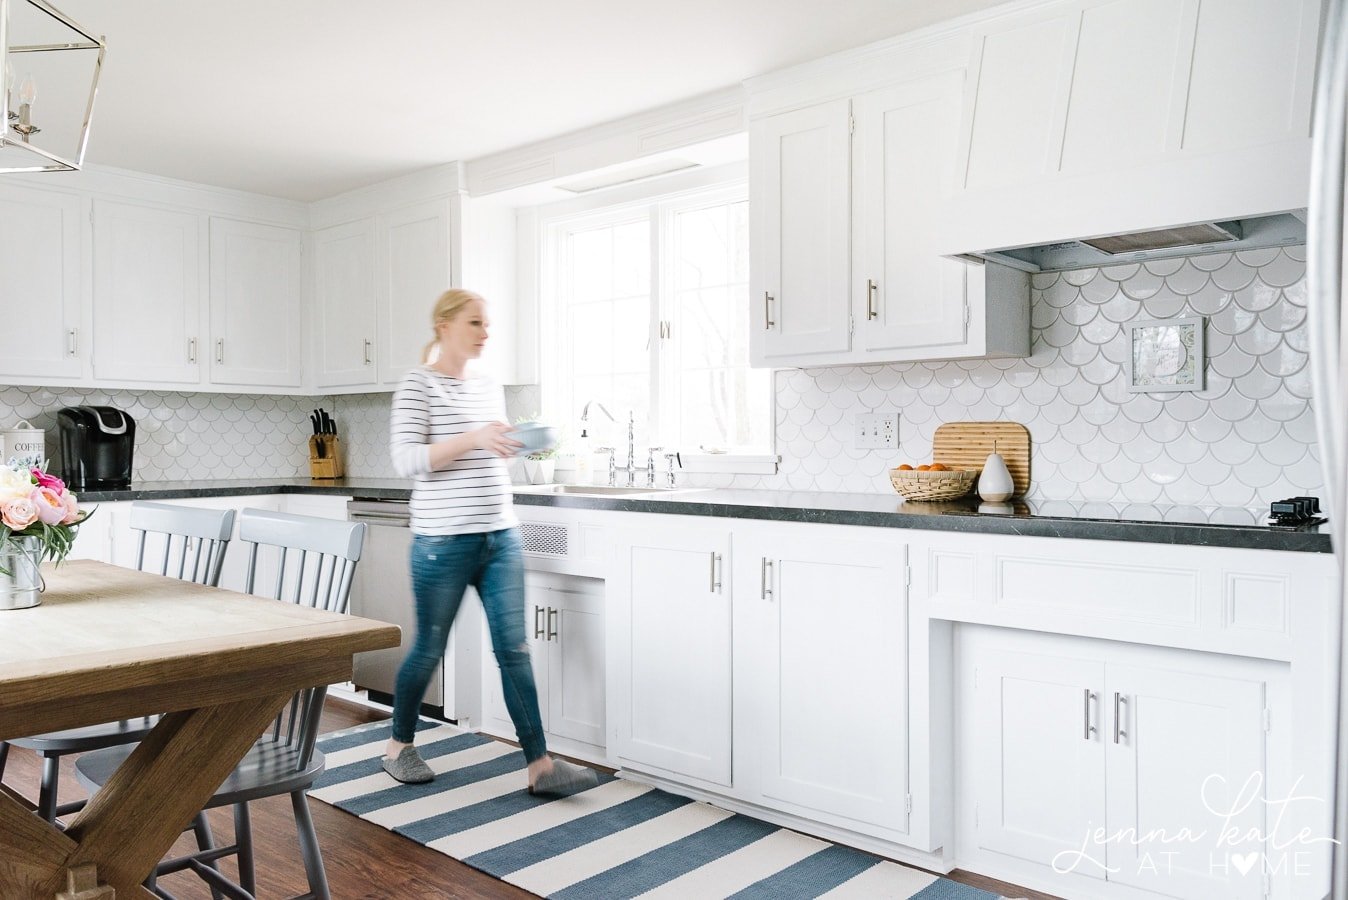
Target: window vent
{"points": [[543, 538]]}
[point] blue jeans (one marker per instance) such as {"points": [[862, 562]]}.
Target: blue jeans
{"points": [[442, 568]]}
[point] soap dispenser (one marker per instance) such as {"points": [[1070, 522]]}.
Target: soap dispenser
{"points": [[994, 483], [584, 458]]}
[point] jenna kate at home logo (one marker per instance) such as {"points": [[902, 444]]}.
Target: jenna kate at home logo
{"points": [[1234, 847]]}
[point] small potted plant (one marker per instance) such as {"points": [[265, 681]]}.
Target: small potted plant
{"points": [[38, 520], [539, 466]]}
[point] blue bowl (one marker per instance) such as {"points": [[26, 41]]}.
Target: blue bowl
{"points": [[535, 436]]}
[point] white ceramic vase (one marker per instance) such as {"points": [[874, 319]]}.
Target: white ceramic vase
{"points": [[539, 470], [995, 484]]}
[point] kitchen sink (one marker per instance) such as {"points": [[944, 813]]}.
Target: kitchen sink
{"points": [[592, 490]]}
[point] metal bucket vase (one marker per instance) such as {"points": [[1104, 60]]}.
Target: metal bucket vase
{"points": [[23, 586]]}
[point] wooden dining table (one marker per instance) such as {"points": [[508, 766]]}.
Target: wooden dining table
{"points": [[110, 643]]}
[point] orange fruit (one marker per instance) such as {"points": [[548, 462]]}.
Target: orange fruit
{"points": [[939, 467], [905, 468], [924, 468]]}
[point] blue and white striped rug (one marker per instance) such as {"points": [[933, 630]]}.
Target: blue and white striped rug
{"points": [[618, 839]]}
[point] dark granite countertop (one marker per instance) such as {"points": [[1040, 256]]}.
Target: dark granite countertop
{"points": [[1145, 523]]}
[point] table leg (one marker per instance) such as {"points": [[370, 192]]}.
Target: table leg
{"points": [[132, 822]]}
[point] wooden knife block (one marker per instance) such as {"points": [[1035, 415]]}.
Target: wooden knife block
{"points": [[330, 465]]}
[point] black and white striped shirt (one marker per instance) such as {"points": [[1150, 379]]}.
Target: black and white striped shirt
{"points": [[472, 493]]}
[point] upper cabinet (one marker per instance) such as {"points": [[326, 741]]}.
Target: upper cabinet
{"points": [[413, 262], [845, 267], [149, 266], [1095, 117], [44, 334], [344, 320], [255, 304]]}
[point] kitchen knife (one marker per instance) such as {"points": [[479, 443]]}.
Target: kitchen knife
{"points": [[313, 418]]}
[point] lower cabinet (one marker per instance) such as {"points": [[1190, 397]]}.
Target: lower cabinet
{"points": [[821, 673], [669, 646], [1139, 766], [565, 621]]}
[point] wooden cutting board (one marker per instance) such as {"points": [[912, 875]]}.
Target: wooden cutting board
{"points": [[966, 445]]}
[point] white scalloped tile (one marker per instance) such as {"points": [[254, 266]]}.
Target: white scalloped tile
{"points": [[1079, 314], [1121, 470], [1187, 491], [1164, 267], [1233, 275], [1142, 449], [1295, 294], [1283, 362], [1163, 470], [1079, 353], [1233, 450], [1100, 289], [1233, 492], [1282, 452], [1163, 429], [1142, 408], [952, 377], [1186, 406], [1100, 330], [1164, 304], [1282, 317], [1186, 280], [1282, 271], [1233, 320], [1141, 490], [1209, 472], [1121, 430], [1143, 285], [1078, 393], [1210, 299]]}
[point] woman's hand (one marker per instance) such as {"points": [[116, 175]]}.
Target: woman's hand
{"points": [[493, 438]]}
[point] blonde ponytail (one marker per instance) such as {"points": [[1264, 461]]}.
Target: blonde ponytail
{"points": [[447, 306]]}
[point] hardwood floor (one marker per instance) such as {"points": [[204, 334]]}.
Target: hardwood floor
{"points": [[364, 861]]}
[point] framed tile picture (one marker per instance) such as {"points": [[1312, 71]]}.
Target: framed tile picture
{"points": [[1166, 355]]}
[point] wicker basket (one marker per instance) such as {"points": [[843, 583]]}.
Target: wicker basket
{"points": [[915, 485]]}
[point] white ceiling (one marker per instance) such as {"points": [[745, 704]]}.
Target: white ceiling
{"points": [[308, 98]]}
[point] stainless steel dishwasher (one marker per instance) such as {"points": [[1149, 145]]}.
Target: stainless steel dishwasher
{"points": [[383, 591]]}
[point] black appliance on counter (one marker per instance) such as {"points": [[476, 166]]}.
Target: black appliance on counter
{"points": [[96, 447]]}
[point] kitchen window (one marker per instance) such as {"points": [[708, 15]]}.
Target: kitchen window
{"points": [[647, 306]]}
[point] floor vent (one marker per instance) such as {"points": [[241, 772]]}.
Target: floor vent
{"points": [[543, 538]]}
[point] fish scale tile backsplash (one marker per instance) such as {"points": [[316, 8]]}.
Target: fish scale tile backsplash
{"points": [[1248, 438]]}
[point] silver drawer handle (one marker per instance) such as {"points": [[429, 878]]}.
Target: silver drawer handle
{"points": [[367, 351], [767, 310], [538, 622], [552, 624], [191, 350], [871, 287], [1086, 702], [767, 579], [1119, 700], [715, 573], [220, 350]]}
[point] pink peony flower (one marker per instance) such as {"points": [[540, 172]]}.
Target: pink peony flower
{"points": [[18, 514], [72, 509], [49, 481], [51, 509]]}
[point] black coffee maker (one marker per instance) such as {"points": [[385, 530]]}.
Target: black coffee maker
{"points": [[96, 447]]}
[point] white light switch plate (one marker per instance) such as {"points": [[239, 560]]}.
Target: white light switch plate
{"points": [[877, 431]]}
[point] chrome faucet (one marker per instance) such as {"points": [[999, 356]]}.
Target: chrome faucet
{"points": [[585, 411], [631, 448], [650, 466], [612, 466]]}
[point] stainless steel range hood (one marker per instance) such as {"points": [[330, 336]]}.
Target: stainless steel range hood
{"points": [[1255, 233]]}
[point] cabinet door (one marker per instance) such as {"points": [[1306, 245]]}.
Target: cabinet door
{"points": [[574, 631], [40, 291], [344, 293], [538, 594], [1184, 751], [1040, 754], [821, 672], [255, 304], [669, 632], [800, 203], [913, 297], [414, 269], [147, 294]]}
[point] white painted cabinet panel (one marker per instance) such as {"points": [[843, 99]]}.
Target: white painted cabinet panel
{"points": [[255, 304], [344, 333], [40, 300], [800, 203], [914, 298], [413, 261], [1188, 750], [148, 287], [669, 640], [821, 673]]}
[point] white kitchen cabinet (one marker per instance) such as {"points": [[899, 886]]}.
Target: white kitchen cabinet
{"points": [[344, 333], [1096, 117], [413, 260], [40, 295], [1070, 735], [255, 300], [800, 201], [669, 649], [148, 274], [565, 627], [821, 673], [846, 269]]}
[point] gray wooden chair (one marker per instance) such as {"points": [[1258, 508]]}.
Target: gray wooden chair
{"points": [[311, 562], [180, 534]]}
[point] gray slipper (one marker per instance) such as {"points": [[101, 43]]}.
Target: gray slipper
{"points": [[409, 767], [564, 779]]}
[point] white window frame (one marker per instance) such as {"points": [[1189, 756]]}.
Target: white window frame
{"points": [[658, 201]]}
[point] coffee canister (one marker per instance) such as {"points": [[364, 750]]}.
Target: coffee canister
{"points": [[23, 446]]}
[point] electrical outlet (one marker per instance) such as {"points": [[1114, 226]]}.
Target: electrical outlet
{"points": [[876, 431]]}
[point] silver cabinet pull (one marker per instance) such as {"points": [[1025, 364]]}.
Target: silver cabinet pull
{"points": [[191, 350], [552, 624], [767, 579], [1119, 700], [1088, 728], [538, 622], [871, 288], [367, 351], [767, 310], [715, 572], [73, 342], [220, 351]]}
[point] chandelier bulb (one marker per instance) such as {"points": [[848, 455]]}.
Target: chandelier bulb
{"points": [[28, 90]]}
